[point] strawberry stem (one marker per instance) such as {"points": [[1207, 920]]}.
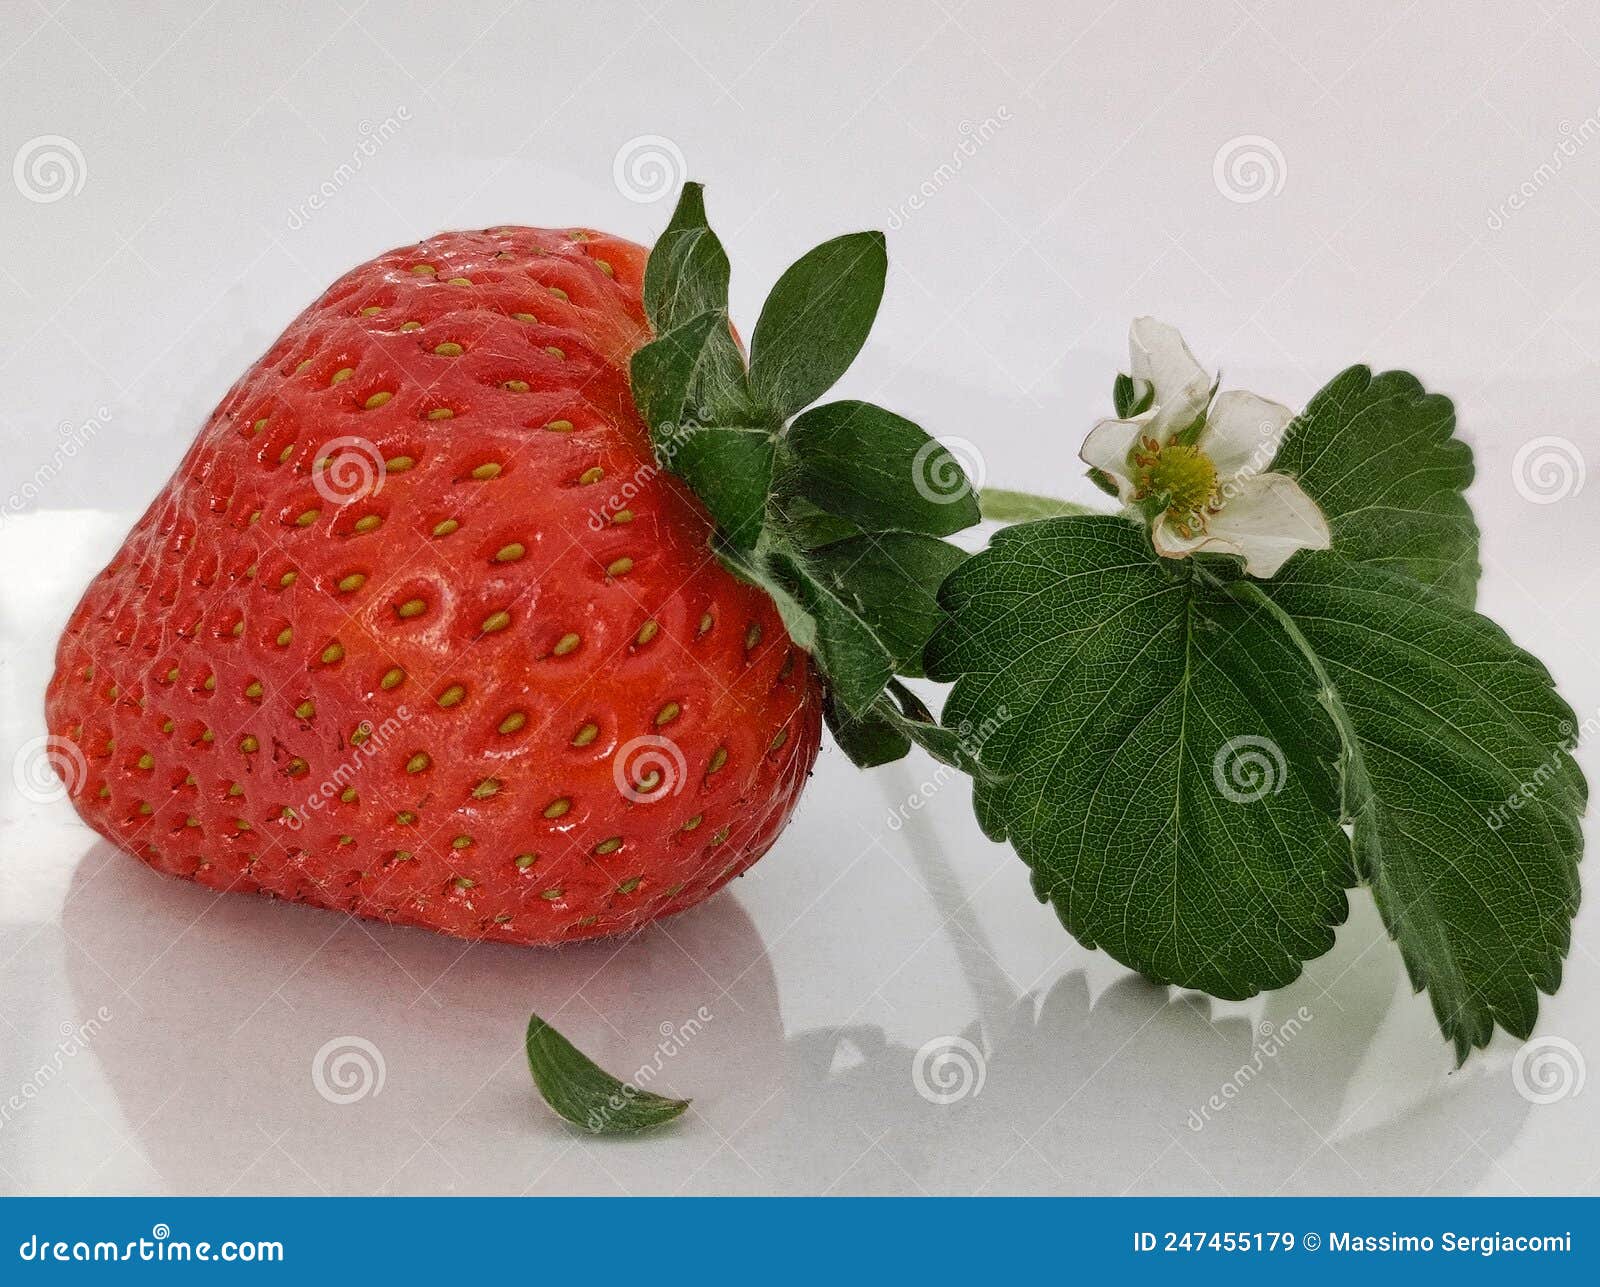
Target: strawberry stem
{"points": [[1001, 505]]}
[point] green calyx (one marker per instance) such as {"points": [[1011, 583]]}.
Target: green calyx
{"points": [[837, 512]]}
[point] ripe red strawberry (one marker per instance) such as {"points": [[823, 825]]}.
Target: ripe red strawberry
{"points": [[419, 631]]}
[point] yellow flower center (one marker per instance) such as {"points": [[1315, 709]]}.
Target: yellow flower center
{"points": [[1182, 474]]}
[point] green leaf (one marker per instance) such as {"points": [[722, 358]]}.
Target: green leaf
{"points": [[878, 469], [585, 1094], [1464, 798], [815, 321], [1171, 802], [891, 579], [1378, 455], [687, 273]]}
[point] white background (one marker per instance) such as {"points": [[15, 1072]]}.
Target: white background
{"points": [[1064, 164]]}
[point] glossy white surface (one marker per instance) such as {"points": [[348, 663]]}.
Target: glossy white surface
{"points": [[1090, 196]]}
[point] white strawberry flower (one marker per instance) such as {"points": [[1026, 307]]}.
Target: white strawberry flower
{"points": [[1191, 461]]}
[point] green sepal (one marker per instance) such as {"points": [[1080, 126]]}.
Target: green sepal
{"points": [[825, 516], [893, 579], [689, 376], [1104, 481], [810, 526], [692, 375], [730, 469], [815, 321], [1130, 397], [688, 271], [858, 461], [868, 742], [855, 659]]}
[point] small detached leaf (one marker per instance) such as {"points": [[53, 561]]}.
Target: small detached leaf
{"points": [[816, 320], [579, 1090]]}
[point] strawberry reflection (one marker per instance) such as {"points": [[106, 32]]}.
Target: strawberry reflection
{"points": [[224, 1006], [260, 1047], [1143, 1089]]}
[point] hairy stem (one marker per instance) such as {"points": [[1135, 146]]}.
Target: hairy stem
{"points": [[1001, 505]]}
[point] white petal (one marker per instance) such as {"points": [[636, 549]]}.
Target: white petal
{"points": [[1243, 432], [1267, 520], [1106, 449], [1170, 545], [1158, 354]]}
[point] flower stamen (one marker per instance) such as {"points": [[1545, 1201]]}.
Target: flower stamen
{"points": [[1184, 475]]}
